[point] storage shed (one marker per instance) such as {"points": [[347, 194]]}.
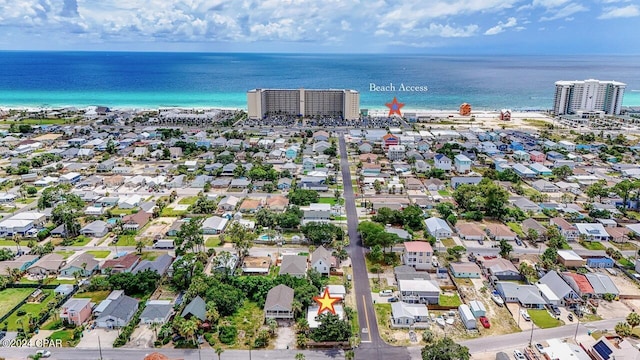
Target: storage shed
{"points": [[467, 317], [477, 308]]}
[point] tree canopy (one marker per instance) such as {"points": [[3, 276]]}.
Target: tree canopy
{"points": [[445, 349]]}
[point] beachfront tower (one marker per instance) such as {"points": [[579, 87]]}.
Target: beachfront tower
{"points": [[588, 96], [305, 102]]}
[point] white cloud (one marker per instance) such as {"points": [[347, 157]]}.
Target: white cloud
{"points": [[511, 22], [564, 12], [620, 12], [549, 3]]}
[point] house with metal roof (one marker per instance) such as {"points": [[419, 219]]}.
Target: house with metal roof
{"points": [[526, 295], [294, 265], [197, 307], [156, 311], [438, 228], [118, 312], [409, 315], [602, 284], [278, 304], [559, 287]]}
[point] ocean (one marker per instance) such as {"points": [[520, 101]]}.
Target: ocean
{"points": [[149, 80]]}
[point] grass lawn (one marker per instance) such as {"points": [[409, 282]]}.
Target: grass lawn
{"points": [[247, 319], [383, 315], [96, 296], [31, 308], [335, 280], [48, 281], [592, 245], [444, 192], [448, 242], [65, 254], [190, 200], [169, 212], [13, 243], [66, 336], [11, 297], [25, 200], [516, 229], [624, 246], [327, 200], [449, 300], [81, 241], [543, 319], [99, 254], [119, 212], [126, 240], [212, 241], [151, 255], [340, 218], [626, 263]]}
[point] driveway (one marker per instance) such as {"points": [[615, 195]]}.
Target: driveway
{"points": [[90, 339], [286, 338], [142, 337]]}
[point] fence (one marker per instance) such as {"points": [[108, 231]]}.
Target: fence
{"points": [[45, 317]]}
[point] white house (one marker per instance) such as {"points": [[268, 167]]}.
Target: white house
{"points": [[462, 164], [316, 213], [438, 228], [396, 152], [442, 162], [322, 261]]}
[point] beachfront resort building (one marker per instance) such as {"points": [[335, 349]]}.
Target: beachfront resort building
{"points": [[588, 96], [305, 102]]}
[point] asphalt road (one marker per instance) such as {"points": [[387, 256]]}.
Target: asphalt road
{"points": [[372, 347]]}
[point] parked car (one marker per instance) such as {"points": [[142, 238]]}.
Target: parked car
{"points": [[44, 353], [570, 317], [539, 347], [392, 299], [485, 322], [525, 315], [349, 277], [518, 242], [517, 354], [386, 293]]}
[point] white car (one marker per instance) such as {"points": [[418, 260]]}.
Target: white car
{"points": [[525, 315], [44, 353], [386, 293], [518, 355]]}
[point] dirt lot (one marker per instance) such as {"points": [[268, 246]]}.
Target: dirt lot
{"points": [[624, 284], [158, 227], [614, 309]]}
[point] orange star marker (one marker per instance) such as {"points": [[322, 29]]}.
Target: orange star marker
{"points": [[394, 107], [326, 302]]}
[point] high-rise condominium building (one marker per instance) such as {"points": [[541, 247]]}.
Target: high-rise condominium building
{"points": [[305, 102], [588, 95]]}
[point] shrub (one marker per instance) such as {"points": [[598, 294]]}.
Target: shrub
{"points": [[227, 334], [210, 338], [21, 312]]}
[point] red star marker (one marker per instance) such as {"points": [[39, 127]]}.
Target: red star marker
{"points": [[394, 107], [326, 302]]}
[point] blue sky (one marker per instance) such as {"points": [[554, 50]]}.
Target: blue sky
{"points": [[320, 26]]}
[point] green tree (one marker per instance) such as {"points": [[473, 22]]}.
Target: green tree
{"points": [[633, 319], [623, 189], [139, 246], [456, 252], [331, 328], [376, 255], [597, 190], [562, 172], [219, 351], [303, 197], [300, 356], [445, 349], [241, 238], [623, 329], [190, 235], [505, 249]]}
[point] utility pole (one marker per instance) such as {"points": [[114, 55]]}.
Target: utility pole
{"points": [[99, 348], [577, 326], [531, 337]]}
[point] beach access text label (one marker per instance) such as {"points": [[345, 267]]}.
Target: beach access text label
{"points": [[402, 87]]}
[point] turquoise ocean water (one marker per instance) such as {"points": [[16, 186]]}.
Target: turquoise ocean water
{"points": [[121, 79]]}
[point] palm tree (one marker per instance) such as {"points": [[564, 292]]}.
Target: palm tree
{"points": [[219, 351], [300, 356], [188, 329], [349, 355], [139, 246]]}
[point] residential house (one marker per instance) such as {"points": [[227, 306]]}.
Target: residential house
{"points": [[592, 232], [462, 164], [76, 311], [322, 261], [442, 162], [137, 221], [47, 265], [390, 140], [413, 183], [294, 265], [84, 264], [438, 228], [525, 204], [321, 135], [501, 268], [540, 169], [461, 180], [117, 313], [320, 146], [570, 259], [279, 303], [419, 291], [528, 296], [529, 224], [284, 184], [544, 186], [228, 203], [365, 148], [469, 231], [396, 152], [256, 265], [559, 287], [119, 265], [465, 270], [318, 212], [537, 156], [277, 203], [499, 232], [417, 254], [523, 171], [434, 184], [159, 265], [602, 284], [409, 315], [579, 284], [250, 205], [214, 225], [568, 231], [195, 308], [97, 228], [156, 312]]}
